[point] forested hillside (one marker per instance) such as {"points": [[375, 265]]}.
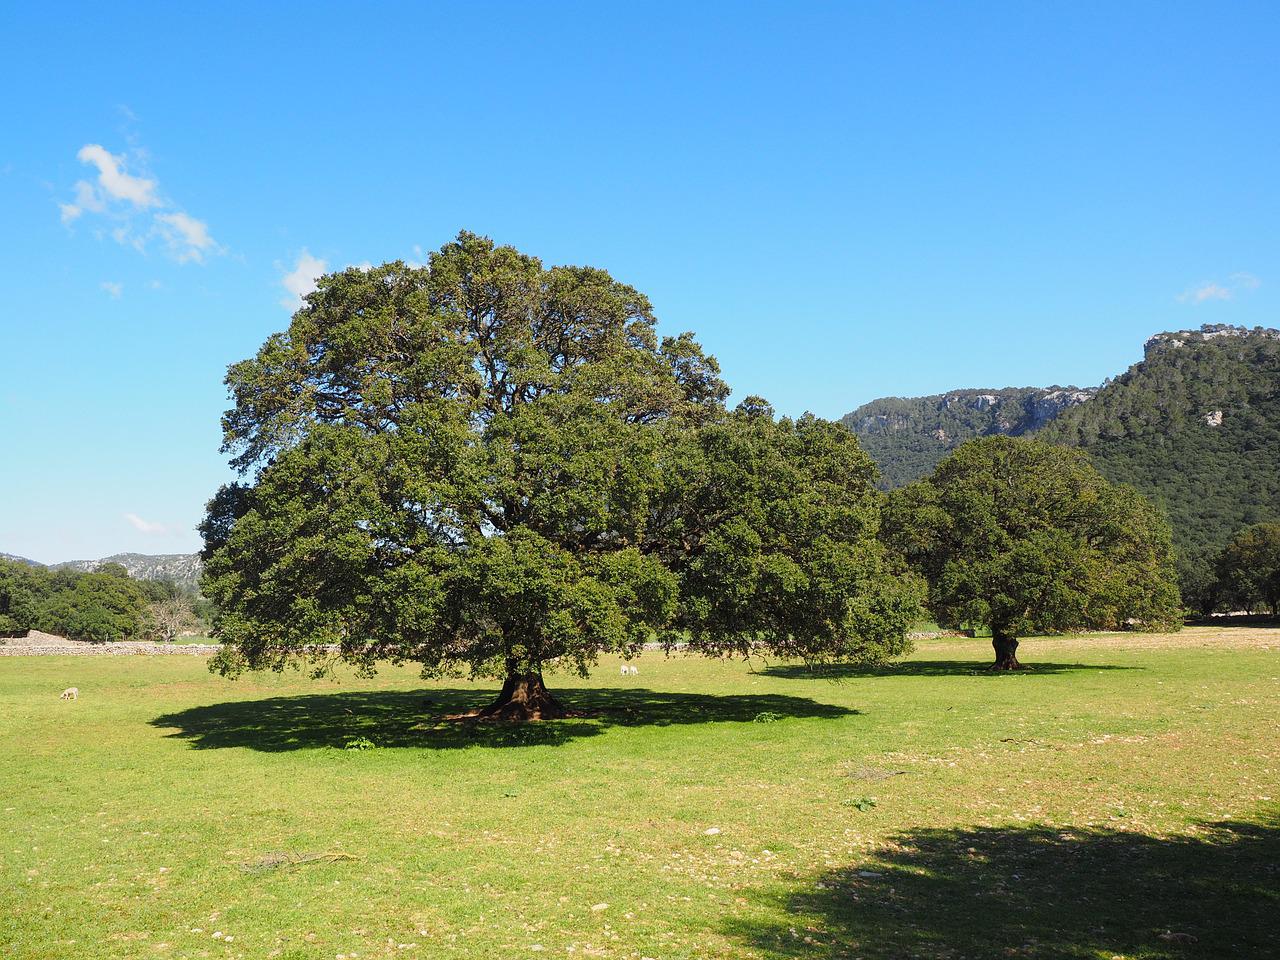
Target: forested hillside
{"points": [[1195, 426], [908, 436]]}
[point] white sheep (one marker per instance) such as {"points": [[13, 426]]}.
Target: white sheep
{"points": [[71, 693], [633, 670]]}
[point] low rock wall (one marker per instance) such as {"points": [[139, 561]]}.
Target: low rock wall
{"points": [[37, 644]]}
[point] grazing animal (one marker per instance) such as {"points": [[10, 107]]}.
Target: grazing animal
{"points": [[71, 693], [625, 671], [633, 670]]}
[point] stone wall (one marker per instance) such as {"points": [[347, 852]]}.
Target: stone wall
{"points": [[36, 644]]}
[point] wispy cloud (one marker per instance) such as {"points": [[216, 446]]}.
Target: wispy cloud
{"points": [[1213, 290], [1205, 291], [145, 526], [187, 237], [131, 199], [114, 288], [301, 280]]}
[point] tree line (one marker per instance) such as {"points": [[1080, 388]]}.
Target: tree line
{"points": [[104, 605], [1242, 576]]}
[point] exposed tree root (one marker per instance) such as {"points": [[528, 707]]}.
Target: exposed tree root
{"points": [[523, 697]]}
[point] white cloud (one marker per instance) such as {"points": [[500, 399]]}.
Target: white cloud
{"points": [[125, 198], [1205, 291], [301, 280], [114, 288], [145, 526], [113, 180], [187, 237], [1212, 290]]}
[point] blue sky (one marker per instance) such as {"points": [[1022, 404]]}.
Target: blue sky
{"points": [[844, 201]]}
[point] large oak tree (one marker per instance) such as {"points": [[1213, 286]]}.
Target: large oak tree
{"points": [[487, 465], [1025, 537]]}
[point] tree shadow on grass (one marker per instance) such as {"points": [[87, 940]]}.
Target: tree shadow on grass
{"points": [[1041, 892], [391, 718], [923, 668]]}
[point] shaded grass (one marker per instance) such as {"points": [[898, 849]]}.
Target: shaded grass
{"points": [[1042, 892], [924, 668], [128, 816], [415, 718]]}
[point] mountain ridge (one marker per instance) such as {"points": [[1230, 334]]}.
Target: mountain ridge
{"points": [[181, 568], [908, 436]]}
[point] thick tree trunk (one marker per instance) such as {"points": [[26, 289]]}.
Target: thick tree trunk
{"points": [[523, 697], [1006, 647]]}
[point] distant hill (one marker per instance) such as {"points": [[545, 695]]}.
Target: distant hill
{"points": [[17, 559], [908, 436], [183, 568]]}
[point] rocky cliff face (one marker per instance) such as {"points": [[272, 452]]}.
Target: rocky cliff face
{"points": [[183, 568], [17, 559], [1173, 340], [907, 436]]}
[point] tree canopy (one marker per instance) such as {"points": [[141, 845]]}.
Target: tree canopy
{"points": [[489, 465], [1024, 537]]}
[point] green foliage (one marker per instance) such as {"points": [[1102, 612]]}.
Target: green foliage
{"points": [[1249, 568], [1026, 537], [19, 608], [81, 606], [492, 465], [100, 607]]}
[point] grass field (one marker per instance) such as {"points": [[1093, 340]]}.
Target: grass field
{"points": [[1119, 800]]}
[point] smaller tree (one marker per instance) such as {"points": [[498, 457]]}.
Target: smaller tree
{"points": [[1249, 568], [166, 619], [1025, 537]]}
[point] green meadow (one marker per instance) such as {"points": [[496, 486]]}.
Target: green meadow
{"points": [[1120, 799]]}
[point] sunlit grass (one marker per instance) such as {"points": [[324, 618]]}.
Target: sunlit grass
{"points": [[701, 809]]}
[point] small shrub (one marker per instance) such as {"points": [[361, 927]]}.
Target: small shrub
{"points": [[360, 743]]}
